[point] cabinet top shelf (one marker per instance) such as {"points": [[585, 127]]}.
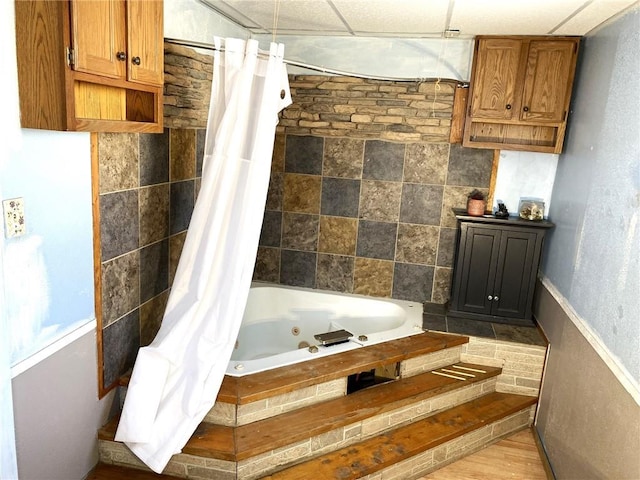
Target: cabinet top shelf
{"points": [[462, 215]]}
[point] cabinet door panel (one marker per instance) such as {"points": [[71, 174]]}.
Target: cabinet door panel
{"points": [[146, 41], [494, 92], [515, 263], [478, 269], [548, 78], [98, 34]]}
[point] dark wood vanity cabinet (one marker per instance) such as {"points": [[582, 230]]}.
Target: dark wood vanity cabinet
{"points": [[495, 268]]}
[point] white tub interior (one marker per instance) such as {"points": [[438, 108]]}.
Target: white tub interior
{"points": [[280, 322]]}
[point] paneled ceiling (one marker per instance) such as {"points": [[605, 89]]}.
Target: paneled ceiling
{"points": [[419, 18]]}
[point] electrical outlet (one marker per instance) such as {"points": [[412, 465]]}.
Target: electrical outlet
{"points": [[14, 225]]}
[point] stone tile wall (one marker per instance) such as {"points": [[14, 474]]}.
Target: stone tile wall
{"points": [[148, 184], [366, 216]]}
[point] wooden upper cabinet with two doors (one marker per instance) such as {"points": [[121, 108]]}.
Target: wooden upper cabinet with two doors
{"points": [[519, 93], [90, 65]]}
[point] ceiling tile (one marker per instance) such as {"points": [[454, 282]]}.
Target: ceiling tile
{"points": [[511, 17], [592, 16], [293, 15], [402, 17]]}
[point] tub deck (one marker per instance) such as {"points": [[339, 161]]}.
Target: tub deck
{"points": [[258, 386]]}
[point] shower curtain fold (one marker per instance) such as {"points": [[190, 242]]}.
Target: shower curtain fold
{"points": [[176, 378]]}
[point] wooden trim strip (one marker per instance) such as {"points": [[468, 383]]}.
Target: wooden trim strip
{"points": [[492, 182], [471, 375], [97, 259], [447, 375], [470, 369]]}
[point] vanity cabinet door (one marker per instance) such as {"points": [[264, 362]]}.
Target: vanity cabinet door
{"points": [[145, 41], [99, 37], [548, 80], [495, 82]]}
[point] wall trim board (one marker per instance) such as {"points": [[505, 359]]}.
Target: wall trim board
{"points": [[52, 348], [619, 371]]}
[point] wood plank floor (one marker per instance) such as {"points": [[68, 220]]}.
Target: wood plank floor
{"points": [[515, 457]]}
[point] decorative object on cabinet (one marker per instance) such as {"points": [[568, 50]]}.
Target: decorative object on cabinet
{"points": [[531, 209], [495, 268], [90, 66], [476, 203], [520, 91], [502, 211]]}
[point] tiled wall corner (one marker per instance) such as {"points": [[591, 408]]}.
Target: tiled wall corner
{"points": [[146, 197]]}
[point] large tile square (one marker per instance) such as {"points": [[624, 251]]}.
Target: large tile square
{"points": [[154, 158], [343, 157], [373, 277], [267, 268], [154, 213], [271, 233], [338, 235], [335, 273], [298, 268], [383, 160], [421, 204], [154, 269], [120, 344], [412, 282], [301, 193], [417, 244], [380, 200], [340, 197], [376, 240], [120, 286], [426, 163], [300, 231], [182, 202], [303, 154], [470, 166], [118, 161], [182, 154], [119, 223]]}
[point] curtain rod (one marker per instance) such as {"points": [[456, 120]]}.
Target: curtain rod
{"points": [[293, 63]]}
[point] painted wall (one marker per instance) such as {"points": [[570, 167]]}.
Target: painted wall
{"points": [[592, 256], [57, 414], [49, 271]]}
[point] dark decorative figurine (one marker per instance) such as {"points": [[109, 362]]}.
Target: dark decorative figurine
{"points": [[502, 211]]}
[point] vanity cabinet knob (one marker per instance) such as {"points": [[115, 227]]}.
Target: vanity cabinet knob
{"points": [[135, 60], [489, 298], [495, 299], [508, 107], [121, 56], [526, 109]]}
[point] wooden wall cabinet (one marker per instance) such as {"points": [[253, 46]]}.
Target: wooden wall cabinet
{"points": [[90, 65], [520, 92], [496, 267]]}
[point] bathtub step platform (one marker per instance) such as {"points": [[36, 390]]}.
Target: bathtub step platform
{"points": [[423, 446], [381, 401]]}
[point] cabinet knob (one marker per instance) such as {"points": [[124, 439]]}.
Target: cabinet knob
{"points": [[508, 107], [495, 299], [135, 60], [526, 109], [121, 56], [489, 298]]}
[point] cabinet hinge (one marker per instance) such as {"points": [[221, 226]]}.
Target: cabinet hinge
{"points": [[70, 56]]}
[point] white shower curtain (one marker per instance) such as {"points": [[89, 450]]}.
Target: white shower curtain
{"points": [[176, 379]]}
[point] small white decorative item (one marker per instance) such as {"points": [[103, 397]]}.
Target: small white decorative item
{"points": [[531, 209]]}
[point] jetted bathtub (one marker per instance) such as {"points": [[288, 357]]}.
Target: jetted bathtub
{"points": [[280, 322]]}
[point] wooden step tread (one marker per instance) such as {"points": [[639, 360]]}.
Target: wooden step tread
{"points": [[114, 472], [258, 386], [240, 443], [297, 425], [386, 449]]}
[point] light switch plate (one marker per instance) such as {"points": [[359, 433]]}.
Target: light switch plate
{"points": [[14, 225]]}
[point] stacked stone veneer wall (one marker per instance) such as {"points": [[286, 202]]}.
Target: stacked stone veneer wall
{"points": [[363, 181]]}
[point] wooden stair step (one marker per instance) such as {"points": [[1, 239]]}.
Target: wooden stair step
{"points": [[258, 386], [287, 428], [387, 449], [246, 441]]}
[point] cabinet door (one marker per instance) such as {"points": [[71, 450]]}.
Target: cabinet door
{"points": [[548, 79], [513, 274], [479, 247], [98, 36], [146, 41], [495, 78]]}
